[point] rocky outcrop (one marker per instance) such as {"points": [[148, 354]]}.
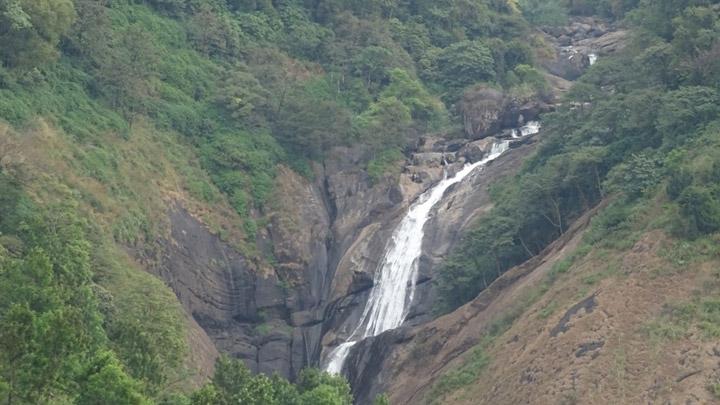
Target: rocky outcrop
{"points": [[579, 44], [406, 362], [326, 237], [482, 109], [235, 303], [487, 112]]}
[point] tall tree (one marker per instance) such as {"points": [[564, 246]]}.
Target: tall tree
{"points": [[30, 30]]}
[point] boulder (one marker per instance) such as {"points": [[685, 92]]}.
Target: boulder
{"points": [[454, 145], [475, 151], [482, 109], [428, 159]]}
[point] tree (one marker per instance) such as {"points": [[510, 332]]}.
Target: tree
{"points": [[30, 30], [701, 209], [233, 383], [49, 321], [108, 383], [683, 110], [386, 123], [544, 12], [465, 63], [423, 107], [212, 33], [310, 129], [128, 70]]}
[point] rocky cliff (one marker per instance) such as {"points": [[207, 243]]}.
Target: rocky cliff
{"points": [[323, 241]]}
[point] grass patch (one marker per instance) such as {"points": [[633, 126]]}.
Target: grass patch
{"points": [[479, 359], [548, 310], [263, 329], [685, 252], [715, 390], [466, 374], [679, 320]]}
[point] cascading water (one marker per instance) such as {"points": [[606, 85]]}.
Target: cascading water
{"points": [[531, 128], [395, 280]]}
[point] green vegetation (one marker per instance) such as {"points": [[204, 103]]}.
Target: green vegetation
{"points": [[233, 383], [679, 320], [478, 359], [54, 345], [650, 133], [123, 106], [464, 375]]}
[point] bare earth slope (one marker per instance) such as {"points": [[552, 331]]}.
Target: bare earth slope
{"points": [[605, 330]]}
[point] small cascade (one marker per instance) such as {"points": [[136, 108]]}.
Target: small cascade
{"points": [[396, 278], [531, 128]]}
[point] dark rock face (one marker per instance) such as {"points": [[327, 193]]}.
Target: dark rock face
{"points": [[487, 112], [328, 237], [482, 109], [246, 314], [365, 365]]}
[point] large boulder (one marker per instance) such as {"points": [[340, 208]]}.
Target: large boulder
{"points": [[428, 159], [475, 151], [482, 109]]}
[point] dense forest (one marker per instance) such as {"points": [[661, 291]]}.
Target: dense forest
{"points": [[248, 85], [244, 86], [638, 127]]}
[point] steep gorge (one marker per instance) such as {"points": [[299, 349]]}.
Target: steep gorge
{"points": [[342, 202], [326, 236]]}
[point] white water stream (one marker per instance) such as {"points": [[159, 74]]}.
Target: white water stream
{"points": [[395, 280]]}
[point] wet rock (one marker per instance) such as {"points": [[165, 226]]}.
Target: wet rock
{"points": [[475, 151], [361, 281]]}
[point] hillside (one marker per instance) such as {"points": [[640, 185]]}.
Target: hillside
{"points": [[198, 198]]}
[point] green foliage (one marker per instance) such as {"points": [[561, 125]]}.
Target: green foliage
{"points": [[385, 124], [233, 383], [650, 122], [423, 107], [465, 63], [637, 177], [477, 359], [715, 390], [381, 400], [544, 12], [701, 208], [108, 383], [385, 162], [679, 320], [242, 162], [51, 332], [31, 31], [467, 374]]}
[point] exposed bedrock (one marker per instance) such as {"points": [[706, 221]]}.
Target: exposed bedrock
{"points": [[326, 237], [488, 112], [404, 363], [579, 44]]}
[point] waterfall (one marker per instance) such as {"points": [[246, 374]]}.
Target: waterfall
{"points": [[531, 128], [396, 278]]}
